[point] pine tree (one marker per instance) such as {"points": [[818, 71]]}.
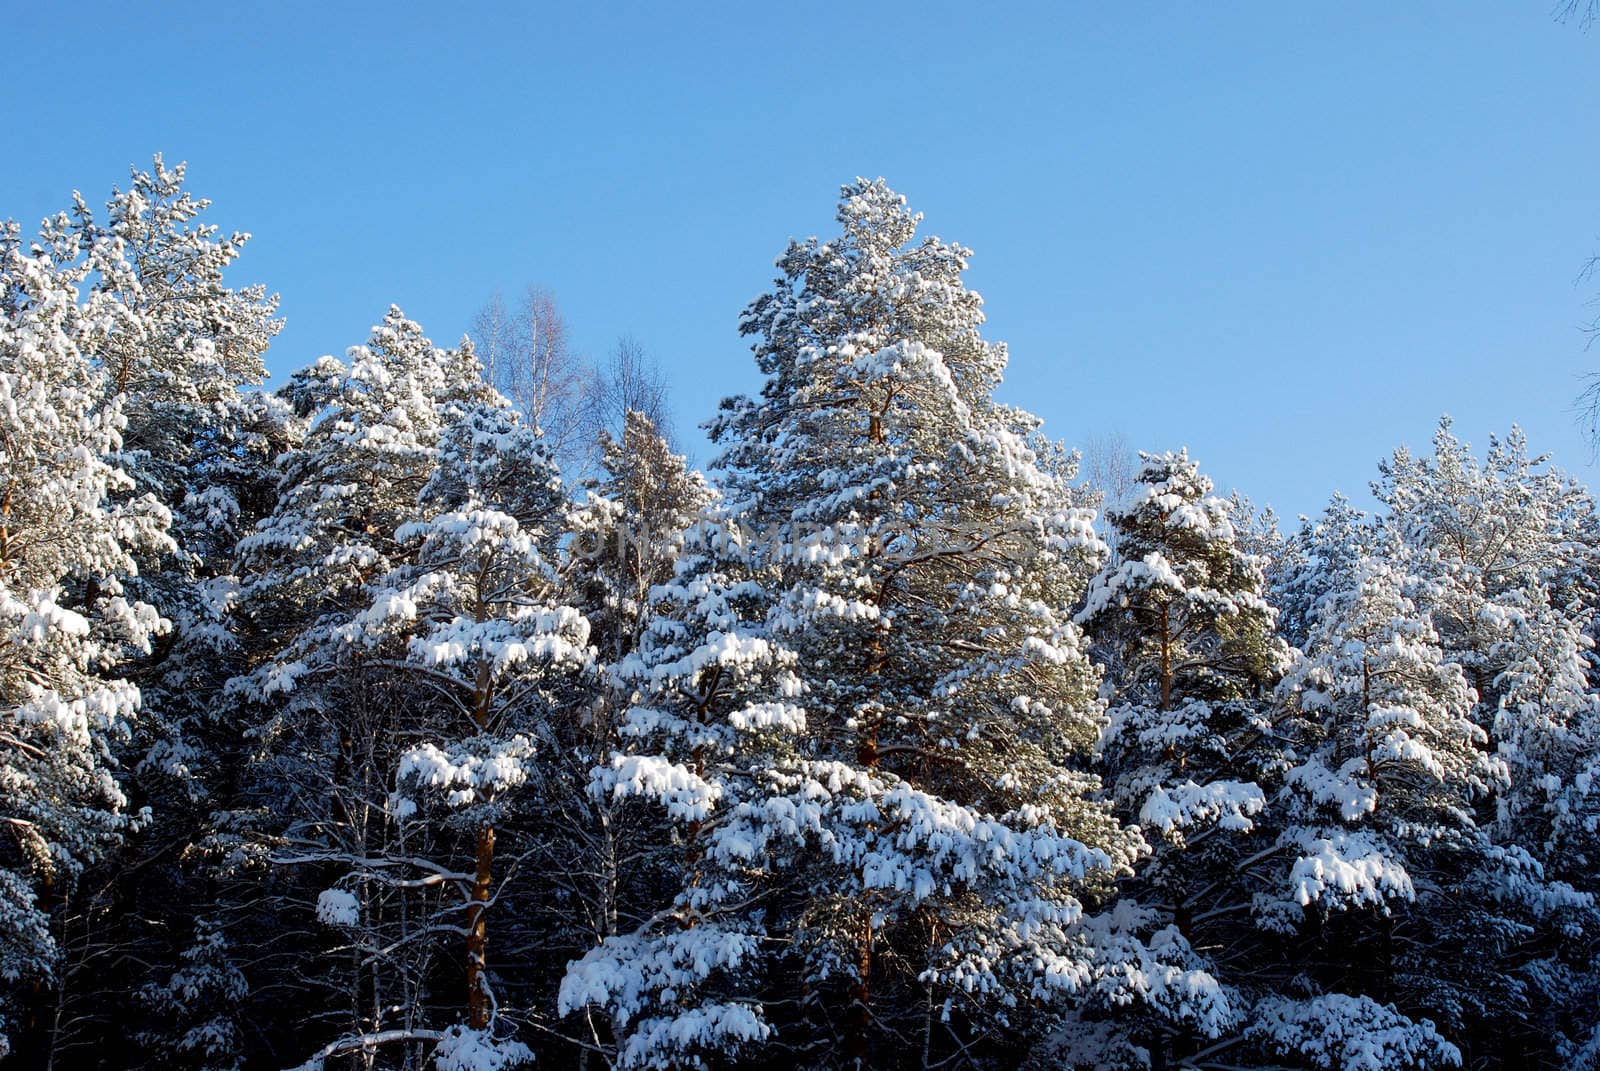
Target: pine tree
{"points": [[1182, 620], [625, 539], [1482, 531], [1378, 824], [1314, 557], [480, 618], [1396, 761], [69, 537], [1505, 552], [178, 348], [866, 704], [327, 721], [627, 533]]}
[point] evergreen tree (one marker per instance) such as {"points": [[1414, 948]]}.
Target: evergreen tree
{"points": [[333, 733], [178, 348], [1319, 552], [196, 1007], [1182, 619], [1482, 532], [625, 539], [627, 532], [1505, 552], [328, 721], [867, 704], [69, 536], [1378, 819], [477, 622]]}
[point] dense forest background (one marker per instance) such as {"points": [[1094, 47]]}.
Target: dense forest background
{"points": [[432, 711]]}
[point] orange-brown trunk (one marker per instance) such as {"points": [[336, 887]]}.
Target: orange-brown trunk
{"points": [[1166, 658], [478, 932], [482, 881], [859, 1047]]}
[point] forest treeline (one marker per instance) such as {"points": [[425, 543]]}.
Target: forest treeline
{"points": [[343, 726]]}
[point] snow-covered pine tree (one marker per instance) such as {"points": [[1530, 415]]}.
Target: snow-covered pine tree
{"points": [[478, 630], [178, 348], [626, 533], [1505, 550], [1319, 552], [625, 536], [359, 474], [1182, 621], [1508, 526], [326, 720], [1183, 610], [195, 1009], [69, 537], [1547, 726], [1509, 548], [1546, 827], [1257, 533], [674, 980], [1378, 828], [866, 704]]}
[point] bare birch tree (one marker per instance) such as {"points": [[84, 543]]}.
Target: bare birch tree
{"points": [[527, 356], [1110, 468], [630, 380]]}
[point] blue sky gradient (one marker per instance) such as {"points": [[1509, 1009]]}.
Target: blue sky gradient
{"points": [[1288, 235]]}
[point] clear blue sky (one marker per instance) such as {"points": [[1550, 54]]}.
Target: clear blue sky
{"points": [[1288, 235]]}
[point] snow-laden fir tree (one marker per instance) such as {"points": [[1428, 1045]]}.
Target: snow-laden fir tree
{"points": [[865, 702], [69, 537], [714, 716]]}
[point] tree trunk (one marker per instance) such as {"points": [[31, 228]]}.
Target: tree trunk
{"points": [[858, 1047], [482, 879], [477, 932], [1166, 658]]}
